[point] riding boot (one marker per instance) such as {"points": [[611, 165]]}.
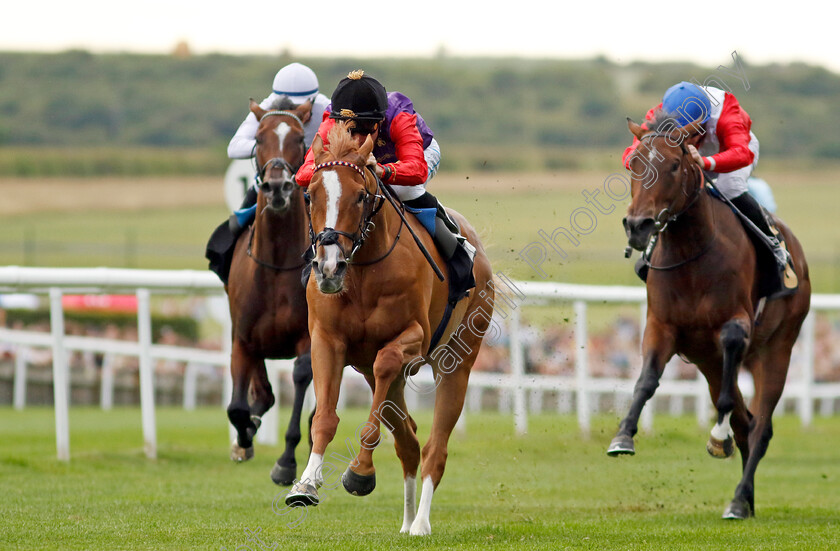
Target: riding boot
{"points": [[454, 247], [242, 217], [747, 204], [222, 242]]}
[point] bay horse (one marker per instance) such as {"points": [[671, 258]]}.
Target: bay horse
{"points": [[703, 301], [374, 303], [267, 299]]}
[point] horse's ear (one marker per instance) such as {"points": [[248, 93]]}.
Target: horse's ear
{"points": [[694, 128], [304, 110], [366, 148], [317, 148], [256, 109], [635, 129]]}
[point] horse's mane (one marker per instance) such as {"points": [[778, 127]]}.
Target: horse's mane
{"points": [[662, 121], [342, 146], [282, 103]]}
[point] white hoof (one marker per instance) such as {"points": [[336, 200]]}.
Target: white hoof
{"points": [[239, 454], [420, 527]]}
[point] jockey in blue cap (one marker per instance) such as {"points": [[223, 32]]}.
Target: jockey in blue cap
{"points": [[727, 150]]}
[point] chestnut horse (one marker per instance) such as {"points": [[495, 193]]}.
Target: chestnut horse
{"points": [[267, 299], [703, 302], [376, 308]]}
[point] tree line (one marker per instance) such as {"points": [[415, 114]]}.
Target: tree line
{"points": [[486, 112]]}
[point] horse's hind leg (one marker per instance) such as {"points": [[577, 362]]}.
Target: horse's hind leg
{"points": [[769, 377], [449, 401], [285, 470], [734, 340], [242, 366], [657, 348]]}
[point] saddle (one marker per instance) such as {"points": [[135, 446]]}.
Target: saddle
{"points": [[458, 253]]}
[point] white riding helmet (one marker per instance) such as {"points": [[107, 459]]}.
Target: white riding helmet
{"points": [[296, 81]]}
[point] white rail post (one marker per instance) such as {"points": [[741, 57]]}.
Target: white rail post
{"points": [[517, 368], [106, 383], [190, 385], [21, 354], [582, 368], [60, 376], [147, 381], [806, 399]]}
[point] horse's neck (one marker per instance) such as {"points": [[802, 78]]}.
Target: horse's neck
{"points": [[279, 237], [692, 230], [380, 239]]}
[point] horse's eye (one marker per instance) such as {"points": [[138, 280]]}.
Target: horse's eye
{"points": [[675, 166], [360, 198]]}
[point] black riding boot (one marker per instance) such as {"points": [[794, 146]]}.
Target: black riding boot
{"points": [[455, 249], [747, 204], [222, 242]]}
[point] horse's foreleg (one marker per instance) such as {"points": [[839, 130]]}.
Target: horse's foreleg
{"points": [[734, 339], [285, 470], [657, 349], [360, 477], [242, 365], [328, 358]]}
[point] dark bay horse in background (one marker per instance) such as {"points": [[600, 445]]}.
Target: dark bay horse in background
{"points": [[374, 303], [267, 299], [703, 302]]}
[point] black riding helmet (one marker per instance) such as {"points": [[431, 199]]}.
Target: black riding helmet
{"points": [[359, 97]]}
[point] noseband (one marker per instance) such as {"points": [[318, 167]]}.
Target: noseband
{"points": [[329, 236]]}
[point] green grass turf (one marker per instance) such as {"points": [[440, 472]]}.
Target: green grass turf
{"points": [[508, 216], [549, 489]]}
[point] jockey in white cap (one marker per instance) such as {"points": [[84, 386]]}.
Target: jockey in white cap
{"points": [[296, 82]]}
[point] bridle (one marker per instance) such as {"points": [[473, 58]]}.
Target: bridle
{"points": [[662, 226], [665, 217], [275, 162], [279, 162], [373, 203]]}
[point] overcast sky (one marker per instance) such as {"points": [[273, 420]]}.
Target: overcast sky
{"points": [[703, 32]]}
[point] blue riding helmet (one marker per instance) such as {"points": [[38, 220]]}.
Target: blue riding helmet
{"points": [[686, 102]]}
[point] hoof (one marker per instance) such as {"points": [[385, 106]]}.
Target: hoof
{"points": [[302, 495], [739, 509], [240, 454], [283, 476], [621, 445], [720, 449], [358, 484], [420, 527], [246, 426]]}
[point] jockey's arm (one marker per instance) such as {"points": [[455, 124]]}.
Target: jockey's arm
{"points": [[411, 168], [733, 133], [307, 169]]}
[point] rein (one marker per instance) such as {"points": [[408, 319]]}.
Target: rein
{"points": [[267, 264], [661, 227]]}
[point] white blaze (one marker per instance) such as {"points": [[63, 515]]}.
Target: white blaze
{"points": [[282, 130]]}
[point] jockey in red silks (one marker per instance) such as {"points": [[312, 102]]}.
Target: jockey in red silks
{"points": [[407, 157], [727, 150]]}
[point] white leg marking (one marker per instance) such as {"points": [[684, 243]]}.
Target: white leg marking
{"points": [[421, 525], [723, 430], [410, 511], [312, 473]]}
